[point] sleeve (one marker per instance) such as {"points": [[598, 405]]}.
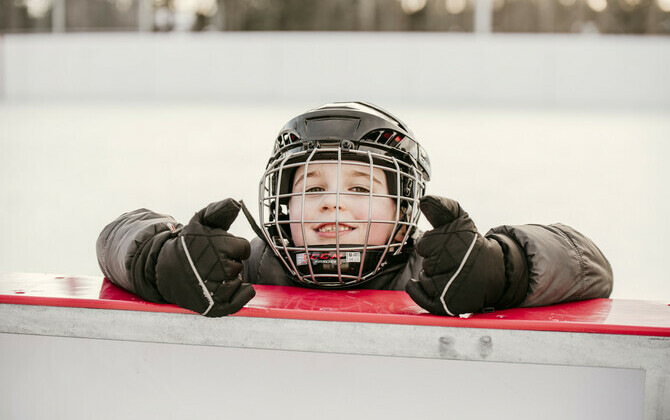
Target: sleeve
{"points": [[252, 264], [563, 265], [262, 267], [128, 247]]}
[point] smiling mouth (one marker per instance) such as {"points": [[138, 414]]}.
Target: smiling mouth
{"points": [[332, 227]]}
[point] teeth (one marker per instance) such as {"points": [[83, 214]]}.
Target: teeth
{"points": [[331, 228]]}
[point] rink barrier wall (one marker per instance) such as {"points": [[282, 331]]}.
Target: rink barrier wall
{"points": [[599, 333], [416, 68]]}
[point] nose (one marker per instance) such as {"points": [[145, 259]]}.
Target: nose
{"points": [[331, 201]]}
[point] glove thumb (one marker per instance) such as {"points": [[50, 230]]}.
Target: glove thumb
{"points": [[441, 211], [220, 215]]}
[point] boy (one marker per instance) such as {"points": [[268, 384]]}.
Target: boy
{"points": [[339, 204]]}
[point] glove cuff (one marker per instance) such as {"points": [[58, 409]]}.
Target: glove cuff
{"points": [[143, 269], [516, 273]]}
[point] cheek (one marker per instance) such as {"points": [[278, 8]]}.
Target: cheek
{"points": [[296, 235], [294, 208], [294, 213], [382, 209]]}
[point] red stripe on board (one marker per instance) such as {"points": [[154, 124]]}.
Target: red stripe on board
{"points": [[603, 316]]}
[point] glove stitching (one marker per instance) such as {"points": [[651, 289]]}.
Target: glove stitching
{"points": [[205, 292], [208, 276], [444, 248], [225, 275], [224, 235], [465, 259], [202, 252]]}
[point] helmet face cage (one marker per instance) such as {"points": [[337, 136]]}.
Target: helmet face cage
{"points": [[339, 264]]}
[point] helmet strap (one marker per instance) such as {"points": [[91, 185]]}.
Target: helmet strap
{"points": [[253, 223]]}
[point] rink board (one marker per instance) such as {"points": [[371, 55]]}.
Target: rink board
{"points": [[376, 306], [613, 355]]}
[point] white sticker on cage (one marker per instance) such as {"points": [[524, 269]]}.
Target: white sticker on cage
{"points": [[301, 259], [354, 257]]}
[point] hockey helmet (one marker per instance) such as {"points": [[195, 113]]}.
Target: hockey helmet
{"points": [[316, 156]]}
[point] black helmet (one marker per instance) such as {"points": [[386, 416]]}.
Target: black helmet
{"points": [[347, 142]]}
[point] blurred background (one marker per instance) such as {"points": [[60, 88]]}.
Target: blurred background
{"points": [[533, 111], [504, 16]]}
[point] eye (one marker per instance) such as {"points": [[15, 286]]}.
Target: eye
{"points": [[360, 189], [315, 189]]}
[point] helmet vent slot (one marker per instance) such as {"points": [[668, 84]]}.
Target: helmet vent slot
{"points": [[388, 137]]}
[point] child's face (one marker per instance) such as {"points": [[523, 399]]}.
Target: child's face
{"points": [[319, 216]]}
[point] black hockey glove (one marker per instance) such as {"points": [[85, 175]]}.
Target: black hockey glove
{"points": [[200, 268], [463, 272]]}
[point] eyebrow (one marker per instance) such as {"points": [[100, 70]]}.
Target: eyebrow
{"points": [[355, 173], [311, 173], [358, 173]]}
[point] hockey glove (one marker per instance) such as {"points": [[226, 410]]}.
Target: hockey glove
{"points": [[199, 269], [463, 272]]}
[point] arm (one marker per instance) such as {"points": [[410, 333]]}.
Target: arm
{"points": [[463, 271], [127, 249], [531, 265], [563, 264], [196, 266]]}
